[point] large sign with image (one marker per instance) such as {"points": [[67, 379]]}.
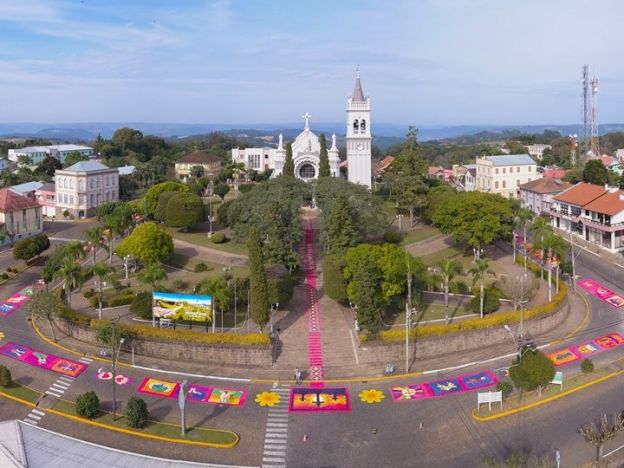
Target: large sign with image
{"points": [[182, 306]]}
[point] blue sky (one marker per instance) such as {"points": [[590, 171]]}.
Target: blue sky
{"points": [[423, 62]]}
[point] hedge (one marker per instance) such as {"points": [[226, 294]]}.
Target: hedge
{"points": [[495, 320], [121, 299]]}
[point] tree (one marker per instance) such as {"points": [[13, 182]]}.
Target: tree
{"points": [[448, 269], [218, 289], [341, 231], [142, 305], [324, 170], [71, 274], [364, 290], [258, 295], [147, 243], [48, 166], [522, 218], [478, 271], [153, 193], [28, 249], [334, 284], [595, 172], [136, 412], [94, 237], [553, 248], [474, 218], [289, 164], [74, 157], [184, 210], [104, 334], [605, 429], [621, 182], [102, 272], [533, 370], [540, 228], [88, 405], [160, 213], [5, 377], [43, 305], [24, 160], [151, 274], [197, 171], [221, 190]]}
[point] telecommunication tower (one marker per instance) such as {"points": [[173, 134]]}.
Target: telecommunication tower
{"points": [[586, 116], [595, 143]]}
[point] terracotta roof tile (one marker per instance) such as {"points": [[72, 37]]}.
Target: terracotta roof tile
{"points": [[12, 201], [610, 203], [198, 157], [546, 185], [581, 194]]}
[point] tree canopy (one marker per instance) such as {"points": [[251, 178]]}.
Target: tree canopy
{"points": [[258, 295], [595, 172], [533, 371], [147, 243], [184, 209], [324, 170], [289, 164], [152, 195]]}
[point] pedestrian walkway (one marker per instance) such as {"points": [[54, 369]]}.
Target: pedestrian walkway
{"points": [[315, 351], [276, 432]]}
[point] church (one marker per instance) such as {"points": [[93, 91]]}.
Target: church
{"points": [[306, 147]]}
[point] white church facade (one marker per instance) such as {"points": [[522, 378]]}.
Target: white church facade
{"points": [[306, 147]]}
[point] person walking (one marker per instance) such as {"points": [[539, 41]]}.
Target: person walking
{"points": [[297, 376]]}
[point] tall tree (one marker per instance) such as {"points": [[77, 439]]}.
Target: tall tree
{"points": [[258, 296], [218, 289], [522, 219], [341, 231], [595, 172], [324, 170], [448, 270], [43, 305], [289, 164], [71, 273], [364, 290], [540, 228], [602, 431], [478, 271], [553, 248], [147, 243], [94, 237], [102, 272], [184, 209]]}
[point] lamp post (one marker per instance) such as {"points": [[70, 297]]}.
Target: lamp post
{"points": [[508, 328], [408, 317], [274, 307], [400, 218], [100, 284], [477, 254], [182, 405], [209, 192], [114, 356], [521, 303]]}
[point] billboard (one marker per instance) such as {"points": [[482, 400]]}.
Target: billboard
{"points": [[182, 306]]}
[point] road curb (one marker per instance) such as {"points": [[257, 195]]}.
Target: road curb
{"points": [[502, 414], [127, 431]]}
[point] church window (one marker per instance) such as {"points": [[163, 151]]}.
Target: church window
{"points": [[363, 126], [307, 171], [356, 126]]}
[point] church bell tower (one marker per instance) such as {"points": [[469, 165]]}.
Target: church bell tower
{"points": [[358, 136]]}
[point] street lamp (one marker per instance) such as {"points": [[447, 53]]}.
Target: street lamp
{"points": [[521, 302], [114, 356], [400, 218], [477, 254], [354, 309], [513, 337], [209, 192], [274, 307]]}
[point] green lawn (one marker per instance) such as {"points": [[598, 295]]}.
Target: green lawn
{"points": [[436, 257], [201, 238], [419, 234], [197, 434], [22, 392], [429, 312]]}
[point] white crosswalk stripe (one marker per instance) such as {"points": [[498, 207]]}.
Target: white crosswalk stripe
{"points": [[34, 416], [54, 394], [58, 388], [31, 421], [36, 411], [66, 379]]}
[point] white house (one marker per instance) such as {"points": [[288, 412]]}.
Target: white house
{"points": [[503, 175], [537, 150], [39, 153]]}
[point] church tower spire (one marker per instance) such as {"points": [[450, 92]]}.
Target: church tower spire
{"points": [[358, 135]]}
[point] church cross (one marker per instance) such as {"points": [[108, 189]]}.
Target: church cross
{"points": [[307, 117]]}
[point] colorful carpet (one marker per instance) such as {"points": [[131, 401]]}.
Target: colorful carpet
{"points": [[315, 351], [195, 393], [585, 350], [120, 379], [319, 399], [17, 300], [601, 292], [43, 361], [439, 388]]}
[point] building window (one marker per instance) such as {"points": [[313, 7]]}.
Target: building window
{"points": [[518, 169], [517, 182], [81, 185], [504, 184], [504, 170], [496, 184], [91, 200], [496, 170], [91, 183], [71, 199], [71, 183]]}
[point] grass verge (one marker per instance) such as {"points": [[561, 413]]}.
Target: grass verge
{"points": [[419, 234]]}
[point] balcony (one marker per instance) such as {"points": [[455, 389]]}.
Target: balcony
{"points": [[601, 226], [566, 214]]}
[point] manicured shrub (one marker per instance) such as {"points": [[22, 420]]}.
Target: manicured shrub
{"points": [[334, 284], [5, 377], [142, 305], [392, 236], [200, 267], [88, 405], [587, 366], [93, 301], [504, 387], [459, 287], [4, 276], [136, 412], [121, 299], [491, 301], [218, 238]]}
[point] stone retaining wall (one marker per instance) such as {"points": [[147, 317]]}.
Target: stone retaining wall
{"points": [[179, 350], [379, 352]]}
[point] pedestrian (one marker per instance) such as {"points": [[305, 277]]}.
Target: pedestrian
{"points": [[557, 457], [297, 376], [224, 397]]}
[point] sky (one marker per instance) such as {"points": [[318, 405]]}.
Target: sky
{"points": [[423, 62]]}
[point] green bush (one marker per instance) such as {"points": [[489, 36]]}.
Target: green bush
{"points": [[136, 412], [93, 302], [459, 287], [142, 305], [280, 290], [218, 238], [121, 299], [89, 294], [491, 301], [4, 276], [393, 237], [5, 377], [334, 284], [200, 267], [244, 188], [504, 387], [587, 366], [88, 405]]}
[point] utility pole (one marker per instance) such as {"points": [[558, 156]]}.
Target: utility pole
{"points": [[572, 257], [408, 316]]}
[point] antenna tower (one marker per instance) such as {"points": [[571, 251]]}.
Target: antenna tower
{"points": [[586, 116], [595, 144]]}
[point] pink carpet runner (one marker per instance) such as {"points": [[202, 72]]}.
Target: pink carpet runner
{"points": [[315, 352]]}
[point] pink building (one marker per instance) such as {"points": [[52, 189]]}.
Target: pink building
{"points": [[45, 197]]}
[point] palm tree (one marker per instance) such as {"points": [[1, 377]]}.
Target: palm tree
{"points": [[448, 270], [523, 217], [540, 229], [102, 272], [553, 246], [479, 270], [217, 288], [71, 273], [150, 275], [43, 305], [94, 236]]}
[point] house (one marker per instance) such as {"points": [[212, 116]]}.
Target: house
{"points": [[619, 154], [82, 187], [126, 170], [27, 189], [465, 177], [39, 153], [210, 164], [504, 174], [537, 150], [440, 173], [554, 173], [20, 216], [593, 212], [537, 194], [611, 163], [4, 164], [382, 166], [46, 196]]}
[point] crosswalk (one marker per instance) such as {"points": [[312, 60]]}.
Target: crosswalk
{"points": [[56, 390], [276, 433]]}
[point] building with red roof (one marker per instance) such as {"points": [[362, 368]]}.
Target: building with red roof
{"points": [[20, 216]]}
